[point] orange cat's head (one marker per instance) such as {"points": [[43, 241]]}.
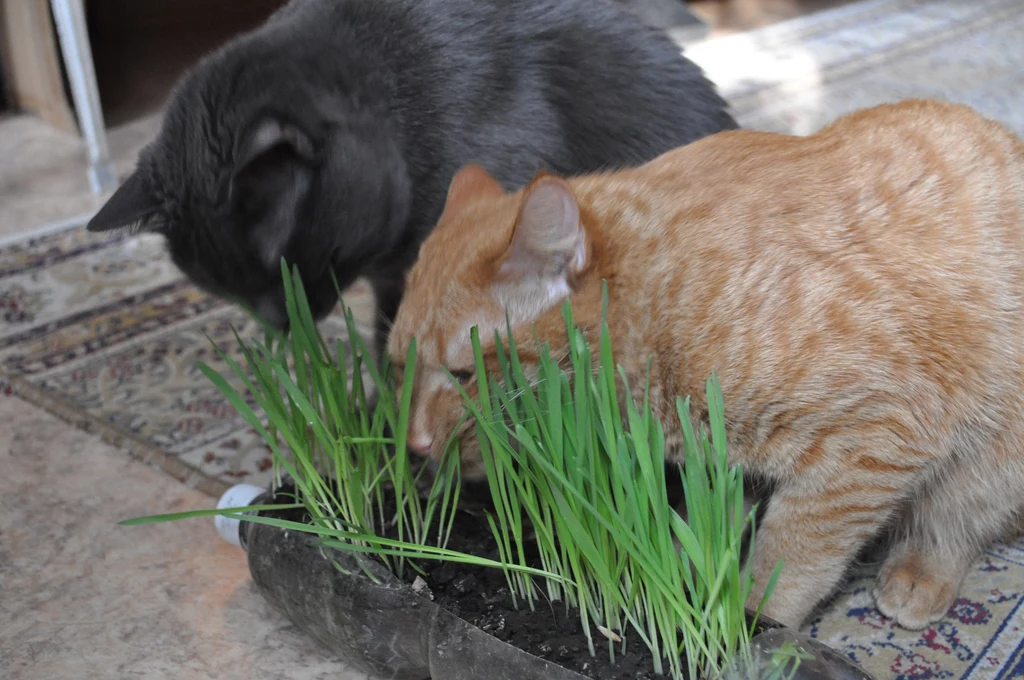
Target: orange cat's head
{"points": [[492, 253]]}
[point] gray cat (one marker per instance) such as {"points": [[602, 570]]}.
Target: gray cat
{"points": [[329, 135]]}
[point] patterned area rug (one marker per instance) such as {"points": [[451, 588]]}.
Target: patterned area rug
{"points": [[103, 332]]}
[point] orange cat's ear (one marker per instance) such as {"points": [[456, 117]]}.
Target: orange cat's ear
{"points": [[472, 181], [548, 242]]}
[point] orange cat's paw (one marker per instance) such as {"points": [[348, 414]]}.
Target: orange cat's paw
{"points": [[915, 591]]}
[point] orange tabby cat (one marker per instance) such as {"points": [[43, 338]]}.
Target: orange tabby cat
{"points": [[859, 292]]}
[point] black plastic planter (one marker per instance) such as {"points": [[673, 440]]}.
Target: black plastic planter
{"points": [[381, 625]]}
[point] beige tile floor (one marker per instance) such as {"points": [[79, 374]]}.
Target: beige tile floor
{"points": [[734, 16], [81, 597], [43, 171]]}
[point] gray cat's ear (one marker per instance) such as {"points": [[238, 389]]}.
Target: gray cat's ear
{"points": [[548, 242], [133, 207], [270, 134], [271, 179]]}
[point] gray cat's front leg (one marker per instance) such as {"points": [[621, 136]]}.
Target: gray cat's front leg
{"points": [[387, 290]]}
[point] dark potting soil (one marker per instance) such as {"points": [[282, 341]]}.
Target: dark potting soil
{"points": [[481, 597]]}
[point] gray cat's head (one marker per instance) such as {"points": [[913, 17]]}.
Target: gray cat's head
{"points": [[258, 160]]}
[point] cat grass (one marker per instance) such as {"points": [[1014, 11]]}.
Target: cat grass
{"points": [[566, 466], [559, 451]]}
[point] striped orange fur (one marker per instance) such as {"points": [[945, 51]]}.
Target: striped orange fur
{"points": [[859, 292]]}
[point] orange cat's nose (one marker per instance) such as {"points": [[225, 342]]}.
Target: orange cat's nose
{"points": [[420, 446]]}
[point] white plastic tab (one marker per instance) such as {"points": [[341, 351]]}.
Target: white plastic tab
{"points": [[238, 496]]}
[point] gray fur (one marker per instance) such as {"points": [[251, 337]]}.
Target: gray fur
{"points": [[329, 135]]}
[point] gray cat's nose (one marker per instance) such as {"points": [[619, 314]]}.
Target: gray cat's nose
{"points": [[272, 312]]}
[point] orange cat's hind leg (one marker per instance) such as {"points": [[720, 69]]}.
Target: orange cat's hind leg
{"points": [[954, 516]]}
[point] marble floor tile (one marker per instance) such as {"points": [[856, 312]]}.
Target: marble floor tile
{"points": [[81, 597], [43, 176]]}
